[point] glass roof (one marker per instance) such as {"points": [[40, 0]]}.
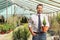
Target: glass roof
{"points": [[51, 2], [4, 4], [27, 7], [30, 5]]}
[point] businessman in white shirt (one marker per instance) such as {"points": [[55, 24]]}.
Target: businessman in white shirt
{"points": [[35, 24]]}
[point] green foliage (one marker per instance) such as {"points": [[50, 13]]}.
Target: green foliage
{"points": [[58, 18], [54, 24], [24, 20], [17, 35], [25, 34], [44, 22], [6, 27], [21, 33], [2, 19]]}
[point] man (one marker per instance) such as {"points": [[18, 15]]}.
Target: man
{"points": [[36, 27]]}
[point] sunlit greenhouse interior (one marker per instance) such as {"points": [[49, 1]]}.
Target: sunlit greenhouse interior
{"points": [[14, 15]]}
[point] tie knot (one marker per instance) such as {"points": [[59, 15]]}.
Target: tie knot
{"points": [[38, 15]]}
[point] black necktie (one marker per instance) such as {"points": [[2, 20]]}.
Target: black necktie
{"points": [[39, 23]]}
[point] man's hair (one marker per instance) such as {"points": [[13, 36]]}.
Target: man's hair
{"points": [[39, 5]]}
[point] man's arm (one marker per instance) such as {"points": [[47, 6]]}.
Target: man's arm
{"points": [[30, 27]]}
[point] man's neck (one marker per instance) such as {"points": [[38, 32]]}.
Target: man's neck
{"points": [[39, 12]]}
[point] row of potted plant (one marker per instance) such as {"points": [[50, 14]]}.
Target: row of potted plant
{"points": [[6, 28]]}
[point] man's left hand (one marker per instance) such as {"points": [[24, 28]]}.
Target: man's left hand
{"points": [[45, 28]]}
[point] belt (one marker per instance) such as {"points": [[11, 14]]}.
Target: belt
{"points": [[39, 32]]}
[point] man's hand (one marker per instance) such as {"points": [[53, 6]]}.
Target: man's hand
{"points": [[34, 34], [45, 28], [30, 28]]}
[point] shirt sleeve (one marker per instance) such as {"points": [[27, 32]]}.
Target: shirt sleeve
{"points": [[30, 22]]}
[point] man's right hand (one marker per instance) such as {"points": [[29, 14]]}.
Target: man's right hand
{"points": [[34, 34]]}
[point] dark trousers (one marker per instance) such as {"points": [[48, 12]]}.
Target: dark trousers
{"points": [[41, 36]]}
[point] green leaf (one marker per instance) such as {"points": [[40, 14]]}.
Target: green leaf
{"points": [[44, 22]]}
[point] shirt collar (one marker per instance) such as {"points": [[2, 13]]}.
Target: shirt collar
{"points": [[38, 14]]}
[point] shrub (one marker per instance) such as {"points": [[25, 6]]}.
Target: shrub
{"points": [[2, 19], [58, 18], [17, 35], [21, 33], [24, 20]]}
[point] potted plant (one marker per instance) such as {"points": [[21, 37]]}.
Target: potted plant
{"points": [[6, 28], [2, 31], [44, 28]]}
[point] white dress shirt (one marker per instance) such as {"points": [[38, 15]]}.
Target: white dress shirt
{"points": [[33, 21]]}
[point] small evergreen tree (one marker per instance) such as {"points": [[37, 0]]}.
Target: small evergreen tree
{"points": [[44, 22]]}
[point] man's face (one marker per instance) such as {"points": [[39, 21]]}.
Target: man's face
{"points": [[39, 9]]}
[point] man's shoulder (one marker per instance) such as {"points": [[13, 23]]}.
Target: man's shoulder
{"points": [[33, 15], [44, 14]]}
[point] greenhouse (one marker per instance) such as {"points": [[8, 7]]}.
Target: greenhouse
{"points": [[14, 16]]}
